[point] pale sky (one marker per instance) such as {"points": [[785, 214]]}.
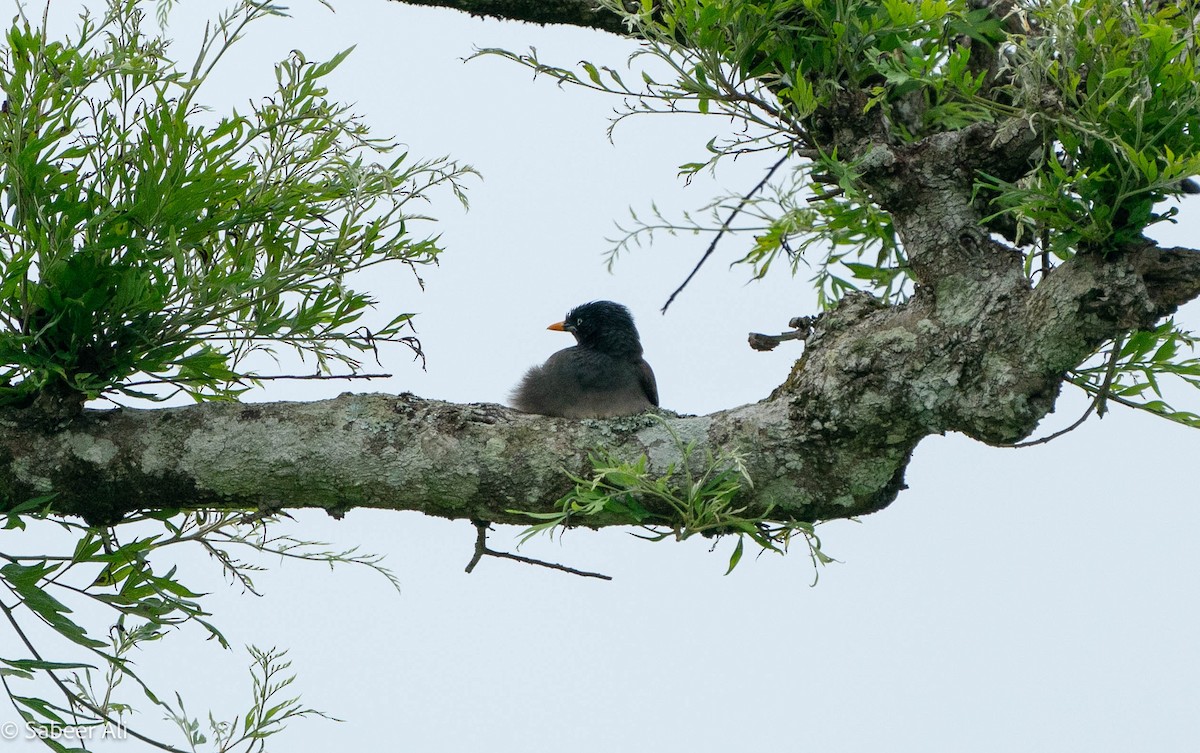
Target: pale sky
{"points": [[1010, 600]]}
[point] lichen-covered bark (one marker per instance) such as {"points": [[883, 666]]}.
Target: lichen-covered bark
{"points": [[474, 461]]}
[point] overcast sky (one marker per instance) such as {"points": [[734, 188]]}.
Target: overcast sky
{"points": [[1035, 600]]}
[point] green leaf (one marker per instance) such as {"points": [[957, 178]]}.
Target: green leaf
{"points": [[35, 664], [736, 557], [24, 580], [592, 73]]}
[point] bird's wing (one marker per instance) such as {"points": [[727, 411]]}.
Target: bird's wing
{"points": [[646, 378]]}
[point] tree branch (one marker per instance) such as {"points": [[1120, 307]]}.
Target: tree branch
{"points": [[1171, 275], [583, 13], [476, 462]]}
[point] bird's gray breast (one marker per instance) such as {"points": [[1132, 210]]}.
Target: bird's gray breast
{"points": [[583, 383]]}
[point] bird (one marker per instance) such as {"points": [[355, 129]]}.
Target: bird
{"points": [[604, 375]]}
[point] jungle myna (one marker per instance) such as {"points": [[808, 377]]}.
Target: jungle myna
{"points": [[603, 376]]}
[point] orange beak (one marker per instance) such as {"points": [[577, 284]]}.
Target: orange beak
{"points": [[558, 327]]}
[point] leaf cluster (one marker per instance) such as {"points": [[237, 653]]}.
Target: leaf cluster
{"points": [[112, 579], [697, 496], [1116, 89], [148, 246], [266, 716], [1136, 370], [1113, 86]]}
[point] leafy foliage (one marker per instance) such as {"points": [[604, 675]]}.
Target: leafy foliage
{"points": [[1135, 370], [144, 242], [683, 502], [115, 573], [265, 717], [1122, 128], [148, 247]]}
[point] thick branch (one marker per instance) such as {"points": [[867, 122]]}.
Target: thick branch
{"points": [[570, 12], [929, 189], [475, 462], [1092, 298], [1171, 275]]}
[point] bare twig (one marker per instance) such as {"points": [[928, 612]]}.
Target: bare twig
{"points": [[317, 376], [761, 342], [802, 328], [832, 193], [256, 378], [724, 227], [1045, 242], [481, 549]]}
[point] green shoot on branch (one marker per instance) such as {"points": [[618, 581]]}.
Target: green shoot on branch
{"points": [[684, 501]]}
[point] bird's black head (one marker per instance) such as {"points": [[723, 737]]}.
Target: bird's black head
{"points": [[604, 326]]}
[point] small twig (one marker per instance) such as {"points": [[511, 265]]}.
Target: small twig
{"points": [[318, 376], [833, 193], [1034, 442], [1045, 242], [245, 378], [1101, 401], [481, 549], [724, 227], [759, 341], [802, 329], [481, 530]]}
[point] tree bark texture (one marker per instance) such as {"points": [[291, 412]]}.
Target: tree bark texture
{"points": [[977, 349]]}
